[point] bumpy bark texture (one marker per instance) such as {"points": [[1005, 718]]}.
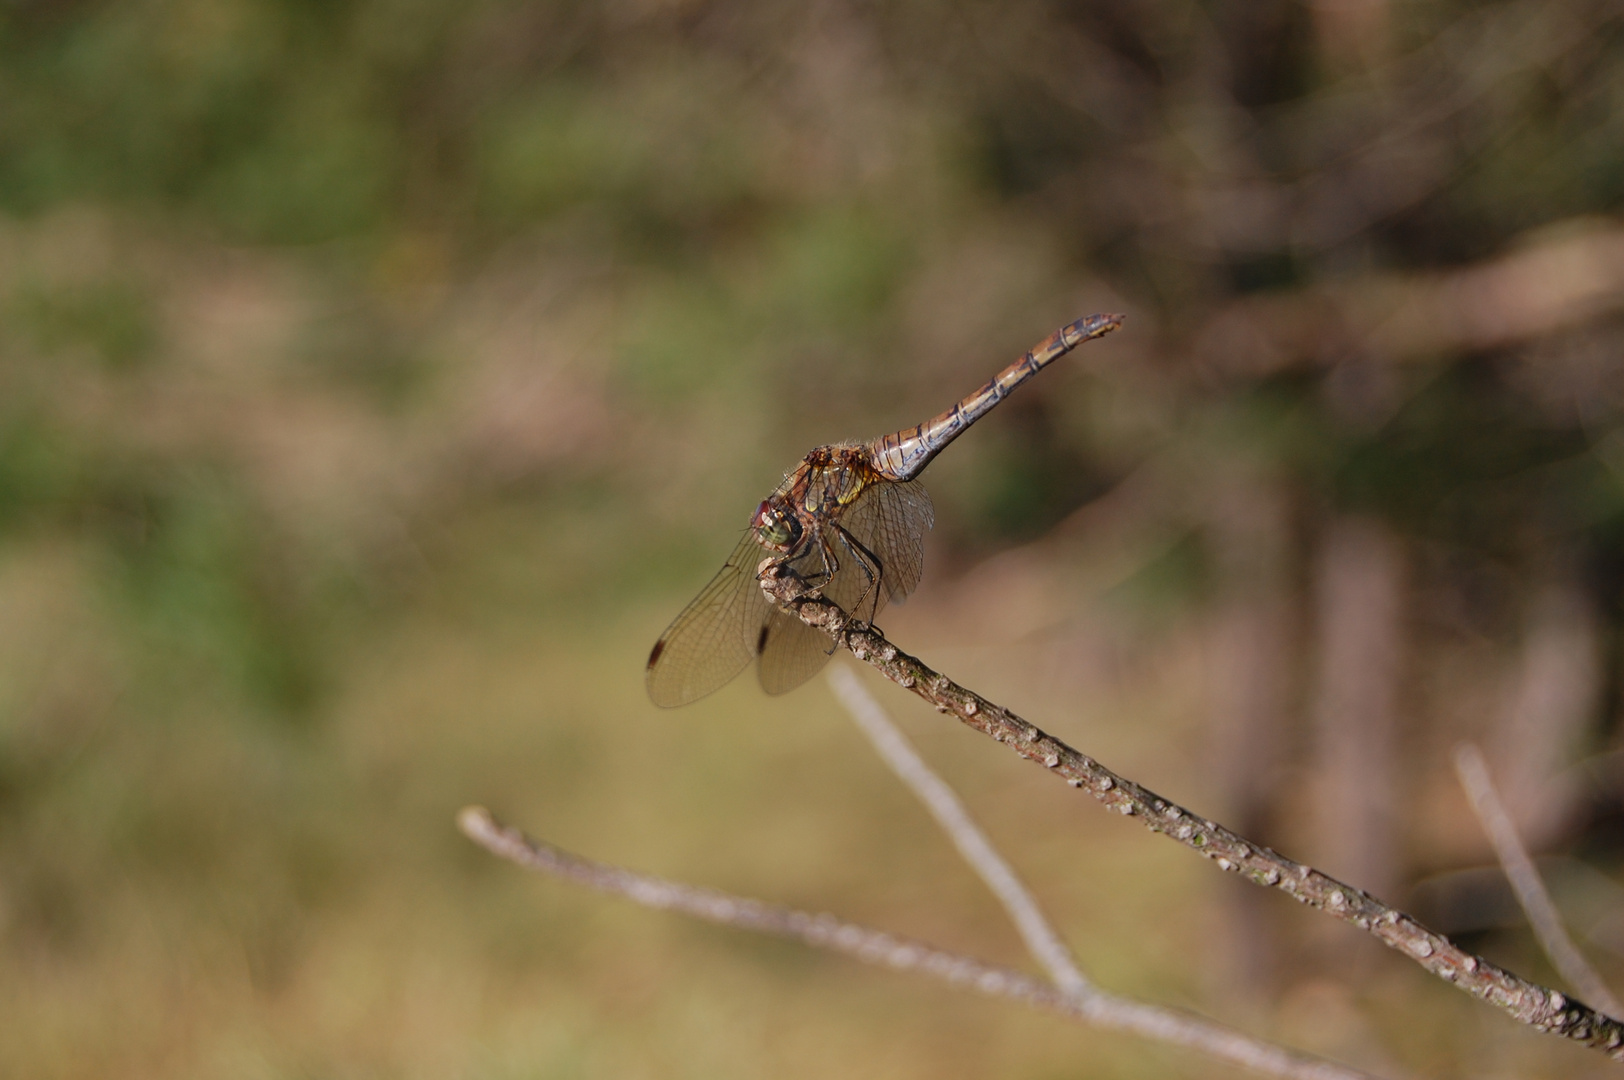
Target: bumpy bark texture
{"points": [[1527, 1002]]}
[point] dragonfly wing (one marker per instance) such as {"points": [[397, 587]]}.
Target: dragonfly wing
{"points": [[891, 520], [715, 636], [791, 652]]}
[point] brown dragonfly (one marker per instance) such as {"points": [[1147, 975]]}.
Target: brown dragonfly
{"points": [[850, 520]]}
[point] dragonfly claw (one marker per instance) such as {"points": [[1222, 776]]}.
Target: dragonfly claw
{"points": [[770, 571]]}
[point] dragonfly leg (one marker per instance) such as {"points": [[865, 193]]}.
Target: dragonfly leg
{"points": [[810, 577], [799, 562], [872, 568], [831, 565]]}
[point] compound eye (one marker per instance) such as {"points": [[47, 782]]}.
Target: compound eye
{"points": [[777, 529], [791, 527]]}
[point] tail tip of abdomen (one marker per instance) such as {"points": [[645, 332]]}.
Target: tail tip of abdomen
{"points": [[1093, 326]]}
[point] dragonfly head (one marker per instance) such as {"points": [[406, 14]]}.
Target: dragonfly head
{"points": [[776, 528]]}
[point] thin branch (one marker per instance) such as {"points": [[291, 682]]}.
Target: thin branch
{"points": [[1548, 285], [900, 954], [1042, 941], [1526, 882], [1530, 1003]]}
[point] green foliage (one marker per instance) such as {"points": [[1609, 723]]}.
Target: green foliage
{"points": [[43, 470], [280, 121], [110, 320], [664, 157], [216, 594], [1462, 462]]}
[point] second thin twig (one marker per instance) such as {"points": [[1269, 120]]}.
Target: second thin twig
{"points": [[887, 950], [1525, 881], [1036, 931], [1040, 936]]}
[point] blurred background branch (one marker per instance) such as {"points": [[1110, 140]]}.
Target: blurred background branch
{"points": [[1531, 892], [1083, 1003]]}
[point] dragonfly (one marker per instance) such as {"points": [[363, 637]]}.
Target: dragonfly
{"points": [[850, 521]]}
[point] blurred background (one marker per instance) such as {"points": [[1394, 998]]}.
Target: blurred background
{"points": [[378, 377]]}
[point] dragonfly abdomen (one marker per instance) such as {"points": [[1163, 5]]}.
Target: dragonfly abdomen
{"points": [[901, 455]]}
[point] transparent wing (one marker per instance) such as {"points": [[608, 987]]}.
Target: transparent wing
{"points": [[891, 520], [715, 636], [791, 653]]}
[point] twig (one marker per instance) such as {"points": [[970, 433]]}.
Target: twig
{"points": [[1525, 881], [1548, 285], [1039, 934], [900, 954], [1527, 1002]]}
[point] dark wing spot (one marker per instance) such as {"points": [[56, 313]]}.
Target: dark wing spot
{"points": [[654, 653], [761, 639]]}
